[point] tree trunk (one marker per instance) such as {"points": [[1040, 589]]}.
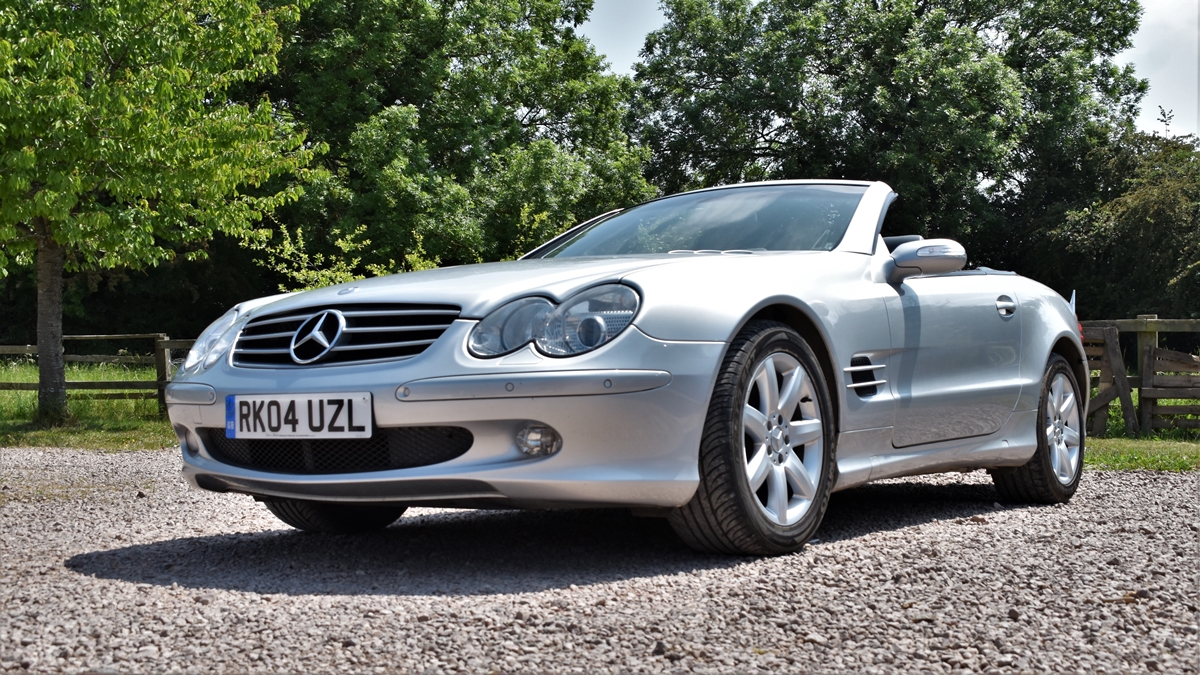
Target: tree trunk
{"points": [[52, 378]]}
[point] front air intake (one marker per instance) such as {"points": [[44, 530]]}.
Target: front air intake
{"points": [[355, 334], [387, 449]]}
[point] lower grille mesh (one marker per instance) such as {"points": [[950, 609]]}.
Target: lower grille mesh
{"points": [[387, 448]]}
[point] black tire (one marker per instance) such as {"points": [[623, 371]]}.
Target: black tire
{"points": [[725, 514], [334, 518], [1036, 482]]}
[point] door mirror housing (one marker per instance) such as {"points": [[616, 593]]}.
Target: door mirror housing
{"points": [[926, 257]]}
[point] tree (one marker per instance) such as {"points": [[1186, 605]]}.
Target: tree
{"points": [[965, 107], [458, 131], [1138, 244], [118, 140]]}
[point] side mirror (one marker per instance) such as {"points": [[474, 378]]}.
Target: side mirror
{"points": [[925, 257]]}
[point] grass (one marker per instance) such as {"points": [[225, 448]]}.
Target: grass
{"points": [[1113, 454], [97, 424], [1164, 450]]}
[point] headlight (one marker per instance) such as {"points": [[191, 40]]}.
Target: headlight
{"points": [[588, 320], [214, 340], [510, 327], [222, 344], [584, 322]]}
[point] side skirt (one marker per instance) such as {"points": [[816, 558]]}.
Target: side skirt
{"points": [[868, 454]]}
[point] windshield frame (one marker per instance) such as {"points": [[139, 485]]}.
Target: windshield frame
{"points": [[859, 236]]}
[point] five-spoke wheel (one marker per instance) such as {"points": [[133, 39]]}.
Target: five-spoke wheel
{"points": [[1063, 429], [1052, 474]]}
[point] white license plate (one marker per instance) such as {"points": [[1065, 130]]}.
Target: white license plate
{"points": [[298, 416]]}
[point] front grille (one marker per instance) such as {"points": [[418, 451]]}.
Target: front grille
{"points": [[390, 448], [374, 332]]}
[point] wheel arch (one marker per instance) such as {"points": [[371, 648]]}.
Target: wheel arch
{"points": [[808, 329], [1067, 348]]}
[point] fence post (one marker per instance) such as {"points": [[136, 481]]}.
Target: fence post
{"points": [[1147, 341], [1107, 368], [162, 365], [1112, 346]]}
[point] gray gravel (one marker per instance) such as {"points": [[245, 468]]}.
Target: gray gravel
{"points": [[108, 562]]}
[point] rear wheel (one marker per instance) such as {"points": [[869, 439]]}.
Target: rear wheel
{"points": [[1052, 475], [766, 457], [333, 518]]}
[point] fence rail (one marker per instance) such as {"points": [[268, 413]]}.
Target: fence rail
{"points": [[1159, 373], [99, 389]]}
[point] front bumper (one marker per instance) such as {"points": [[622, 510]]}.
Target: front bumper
{"points": [[630, 414]]}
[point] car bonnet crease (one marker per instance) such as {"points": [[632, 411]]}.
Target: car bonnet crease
{"points": [[477, 289]]}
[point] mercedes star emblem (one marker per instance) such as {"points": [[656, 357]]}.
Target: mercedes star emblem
{"points": [[317, 336]]}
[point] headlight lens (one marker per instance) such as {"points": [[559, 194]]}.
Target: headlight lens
{"points": [[216, 335], [588, 320], [222, 344], [510, 327], [584, 322]]}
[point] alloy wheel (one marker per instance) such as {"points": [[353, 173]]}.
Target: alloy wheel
{"points": [[1062, 428], [782, 438]]}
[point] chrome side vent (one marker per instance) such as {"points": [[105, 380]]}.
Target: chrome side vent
{"points": [[863, 380], [371, 332]]}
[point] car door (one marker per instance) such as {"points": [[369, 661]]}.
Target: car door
{"points": [[957, 342]]}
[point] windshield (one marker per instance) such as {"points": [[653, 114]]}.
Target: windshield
{"points": [[765, 218]]}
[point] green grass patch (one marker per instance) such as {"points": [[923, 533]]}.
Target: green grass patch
{"points": [[1113, 454], [95, 424]]}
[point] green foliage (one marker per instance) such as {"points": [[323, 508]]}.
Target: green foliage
{"points": [[457, 132], [1138, 245], [117, 139], [178, 296], [956, 104]]}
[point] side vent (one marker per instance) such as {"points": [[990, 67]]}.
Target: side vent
{"points": [[863, 380]]}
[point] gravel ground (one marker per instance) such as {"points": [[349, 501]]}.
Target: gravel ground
{"points": [[108, 562]]}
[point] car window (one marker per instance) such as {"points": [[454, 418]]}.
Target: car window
{"points": [[771, 218]]}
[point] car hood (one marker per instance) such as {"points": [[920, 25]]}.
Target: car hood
{"points": [[478, 289]]}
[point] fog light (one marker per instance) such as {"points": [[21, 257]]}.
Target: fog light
{"points": [[539, 440], [187, 440]]}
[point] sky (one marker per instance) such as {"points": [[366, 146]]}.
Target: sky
{"points": [[1164, 52]]}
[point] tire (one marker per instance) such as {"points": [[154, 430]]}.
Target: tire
{"points": [[333, 518], [789, 455], [1052, 475]]}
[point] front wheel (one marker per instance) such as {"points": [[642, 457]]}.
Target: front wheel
{"points": [[333, 518], [766, 457], [1052, 475]]}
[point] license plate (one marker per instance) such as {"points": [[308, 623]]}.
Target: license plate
{"points": [[298, 416]]}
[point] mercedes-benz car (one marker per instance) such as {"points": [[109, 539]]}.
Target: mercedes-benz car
{"points": [[724, 358]]}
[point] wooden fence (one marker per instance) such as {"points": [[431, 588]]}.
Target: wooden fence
{"points": [[1158, 374], [1172, 376], [133, 389], [1103, 350]]}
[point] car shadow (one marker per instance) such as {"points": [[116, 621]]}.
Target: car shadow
{"points": [[895, 505], [489, 552]]}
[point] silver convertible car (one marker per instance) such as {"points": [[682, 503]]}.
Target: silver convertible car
{"points": [[724, 358]]}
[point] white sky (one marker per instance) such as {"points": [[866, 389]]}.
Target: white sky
{"points": [[1164, 52]]}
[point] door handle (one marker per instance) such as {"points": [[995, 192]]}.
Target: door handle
{"points": [[1006, 306]]}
